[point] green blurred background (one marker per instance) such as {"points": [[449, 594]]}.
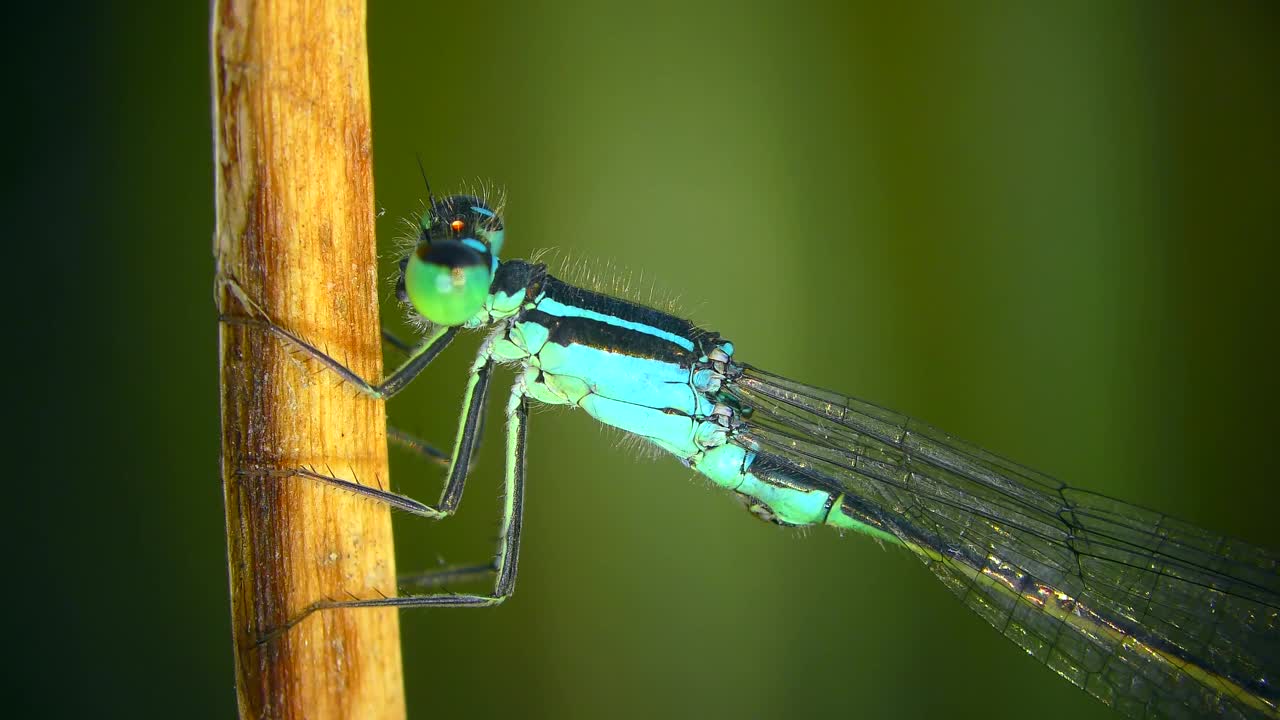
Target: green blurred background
{"points": [[1052, 232]]}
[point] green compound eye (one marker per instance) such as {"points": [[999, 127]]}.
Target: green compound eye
{"points": [[447, 282]]}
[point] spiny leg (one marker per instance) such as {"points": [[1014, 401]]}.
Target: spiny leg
{"points": [[417, 361], [473, 405], [474, 401], [428, 353], [505, 563], [507, 559], [469, 426], [393, 499]]}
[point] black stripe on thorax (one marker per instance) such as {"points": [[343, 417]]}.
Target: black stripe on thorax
{"points": [[575, 296], [623, 341], [616, 338]]}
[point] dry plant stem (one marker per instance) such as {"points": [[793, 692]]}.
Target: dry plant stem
{"points": [[295, 229]]}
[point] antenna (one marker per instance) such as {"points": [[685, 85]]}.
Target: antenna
{"points": [[430, 198]]}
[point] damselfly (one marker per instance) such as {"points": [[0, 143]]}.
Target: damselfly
{"points": [[1152, 616]]}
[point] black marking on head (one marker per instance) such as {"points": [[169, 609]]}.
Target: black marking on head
{"points": [[451, 254]]}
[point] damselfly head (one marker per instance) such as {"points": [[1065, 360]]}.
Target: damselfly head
{"points": [[447, 275]]}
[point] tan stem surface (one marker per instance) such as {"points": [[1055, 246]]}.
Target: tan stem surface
{"points": [[295, 228]]}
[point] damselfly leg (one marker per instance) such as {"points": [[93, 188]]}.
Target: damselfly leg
{"points": [[508, 556], [460, 462], [505, 562]]}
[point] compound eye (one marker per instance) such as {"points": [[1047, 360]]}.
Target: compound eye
{"points": [[457, 225], [447, 282]]}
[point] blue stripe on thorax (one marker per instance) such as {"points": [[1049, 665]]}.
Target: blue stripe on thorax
{"points": [[552, 306]]}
